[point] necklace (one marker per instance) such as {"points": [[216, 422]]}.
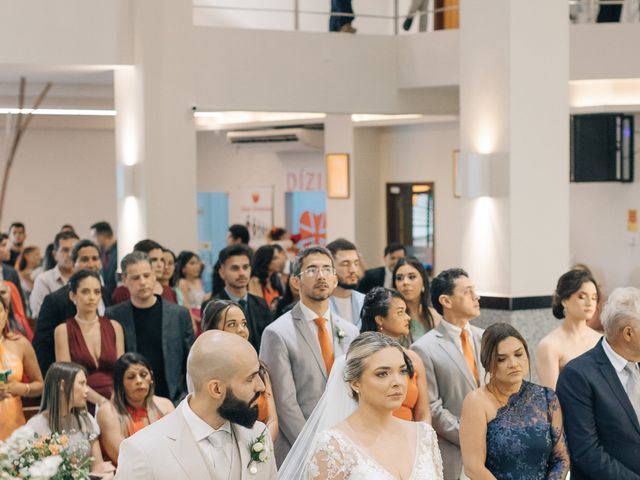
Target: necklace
{"points": [[86, 322], [501, 398]]}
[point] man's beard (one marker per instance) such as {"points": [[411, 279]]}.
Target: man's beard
{"points": [[347, 286], [237, 411]]}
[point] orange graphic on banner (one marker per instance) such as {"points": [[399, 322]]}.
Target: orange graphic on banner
{"points": [[313, 230]]}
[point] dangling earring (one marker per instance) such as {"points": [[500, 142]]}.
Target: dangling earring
{"points": [[564, 311]]}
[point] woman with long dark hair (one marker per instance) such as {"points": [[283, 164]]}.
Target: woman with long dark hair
{"points": [[133, 405], [268, 262], [189, 284], [410, 279], [64, 410], [90, 340]]}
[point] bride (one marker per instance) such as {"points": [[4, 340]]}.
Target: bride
{"points": [[352, 434]]}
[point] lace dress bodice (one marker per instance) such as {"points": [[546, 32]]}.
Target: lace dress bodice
{"points": [[522, 441], [336, 457]]}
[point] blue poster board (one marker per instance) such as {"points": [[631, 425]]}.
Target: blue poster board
{"points": [[213, 223], [306, 214]]}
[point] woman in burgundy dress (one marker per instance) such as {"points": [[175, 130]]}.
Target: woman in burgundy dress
{"points": [[89, 340]]}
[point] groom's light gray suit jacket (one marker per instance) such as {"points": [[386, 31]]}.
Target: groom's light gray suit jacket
{"points": [[291, 352], [449, 380], [166, 450]]}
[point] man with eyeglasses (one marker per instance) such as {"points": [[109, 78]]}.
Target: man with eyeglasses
{"points": [[346, 301], [451, 356], [300, 346], [155, 252]]}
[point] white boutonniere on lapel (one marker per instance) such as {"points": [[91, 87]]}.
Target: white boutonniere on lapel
{"points": [[259, 451], [340, 334]]}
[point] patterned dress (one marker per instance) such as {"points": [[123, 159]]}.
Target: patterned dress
{"points": [[522, 442]]}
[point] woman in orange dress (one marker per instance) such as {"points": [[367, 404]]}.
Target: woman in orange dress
{"points": [[228, 316], [17, 360], [385, 311], [133, 405], [268, 263]]}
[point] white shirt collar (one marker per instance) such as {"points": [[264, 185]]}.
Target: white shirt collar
{"points": [[201, 430], [618, 361], [309, 315], [453, 330]]}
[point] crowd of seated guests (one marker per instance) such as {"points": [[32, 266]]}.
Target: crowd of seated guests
{"points": [[115, 361]]}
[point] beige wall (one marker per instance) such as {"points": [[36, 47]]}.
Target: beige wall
{"points": [[61, 176]]}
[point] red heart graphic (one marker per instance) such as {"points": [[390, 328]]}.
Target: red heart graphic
{"points": [[255, 197]]}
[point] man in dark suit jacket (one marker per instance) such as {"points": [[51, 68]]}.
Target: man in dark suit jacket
{"points": [[8, 272], [57, 307], [155, 328], [235, 271], [381, 276], [103, 235], [600, 396]]}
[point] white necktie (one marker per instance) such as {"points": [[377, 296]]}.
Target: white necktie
{"points": [[219, 440], [633, 386]]}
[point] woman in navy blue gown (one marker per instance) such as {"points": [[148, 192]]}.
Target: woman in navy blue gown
{"points": [[510, 428]]}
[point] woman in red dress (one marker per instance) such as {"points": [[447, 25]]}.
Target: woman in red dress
{"points": [[89, 340]]}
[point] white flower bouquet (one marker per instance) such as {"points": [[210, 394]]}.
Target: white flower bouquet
{"points": [[28, 456]]}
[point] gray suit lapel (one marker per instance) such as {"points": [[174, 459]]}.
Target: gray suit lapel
{"points": [[309, 337], [188, 454], [452, 350]]}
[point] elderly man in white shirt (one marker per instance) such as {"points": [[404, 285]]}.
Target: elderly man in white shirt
{"points": [[58, 276], [600, 396], [213, 434]]}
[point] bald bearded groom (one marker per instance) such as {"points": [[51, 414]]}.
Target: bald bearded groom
{"points": [[213, 434]]}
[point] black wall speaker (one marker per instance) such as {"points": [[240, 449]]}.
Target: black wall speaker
{"points": [[602, 147]]}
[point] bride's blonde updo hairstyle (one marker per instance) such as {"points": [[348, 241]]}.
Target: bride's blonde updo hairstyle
{"points": [[363, 347]]}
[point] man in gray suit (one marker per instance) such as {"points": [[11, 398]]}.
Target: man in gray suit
{"points": [[346, 302], [154, 327], [300, 346], [451, 356], [213, 434]]}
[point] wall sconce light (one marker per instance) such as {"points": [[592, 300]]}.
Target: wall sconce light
{"points": [[338, 175], [127, 180], [471, 175]]}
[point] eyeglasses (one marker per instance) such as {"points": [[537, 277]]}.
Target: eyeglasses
{"points": [[313, 271]]}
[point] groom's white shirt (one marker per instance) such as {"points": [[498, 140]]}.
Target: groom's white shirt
{"points": [[206, 436]]}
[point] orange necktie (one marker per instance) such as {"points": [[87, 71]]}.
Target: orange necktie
{"points": [[468, 354], [325, 343]]}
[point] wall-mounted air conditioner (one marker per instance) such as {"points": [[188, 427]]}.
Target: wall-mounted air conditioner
{"points": [[279, 139]]}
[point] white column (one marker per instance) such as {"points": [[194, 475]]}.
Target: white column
{"points": [[341, 213], [155, 133], [514, 73]]}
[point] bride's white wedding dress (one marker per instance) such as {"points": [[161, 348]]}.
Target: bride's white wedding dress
{"points": [[337, 457]]}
